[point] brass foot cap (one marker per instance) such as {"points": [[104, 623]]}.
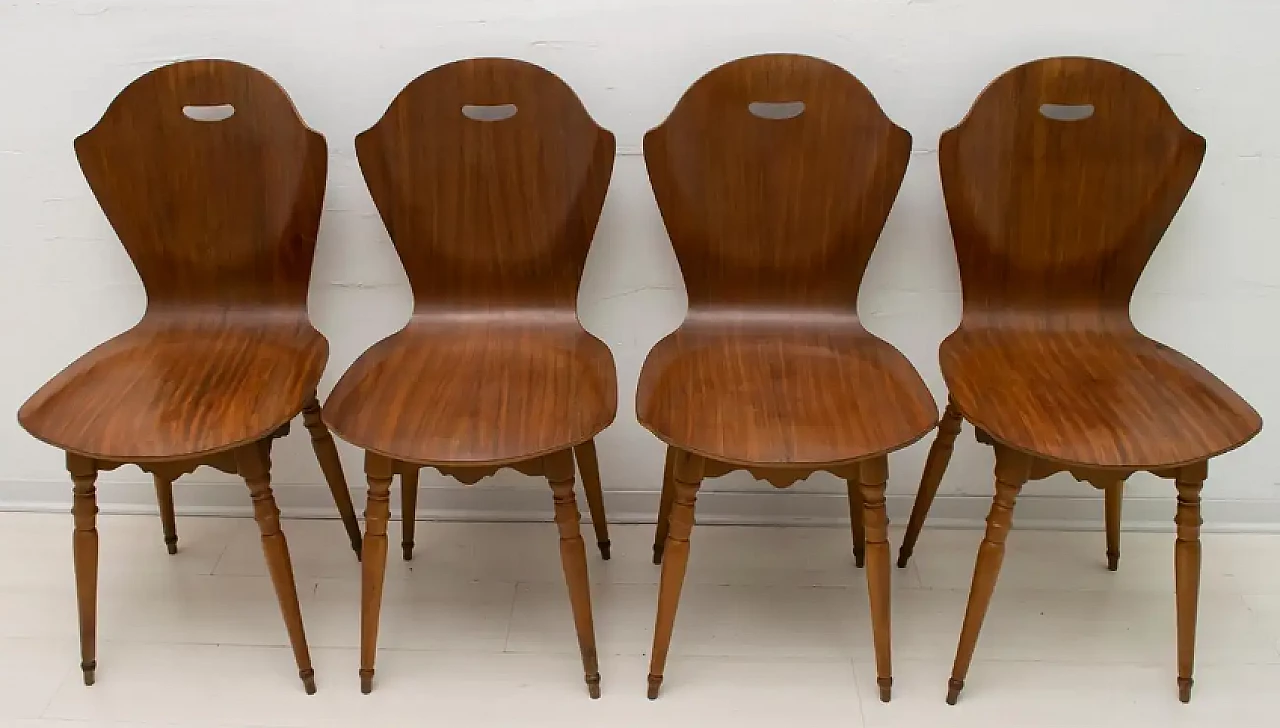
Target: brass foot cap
{"points": [[903, 557], [366, 681], [1184, 689], [1113, 561], [593, 686], [408, 551], [172, 546], [655, 684], [859, 559], [886, 688], [308, 681], [953, 690], [88, 668], [657, 555], [604, 549]]}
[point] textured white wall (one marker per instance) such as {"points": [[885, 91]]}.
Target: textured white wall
{"points": [[1212, 289]]}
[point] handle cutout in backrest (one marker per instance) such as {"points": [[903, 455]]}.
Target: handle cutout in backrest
{"points": [[494, 112], [776, 109], [1066, 112], [209, 112]]}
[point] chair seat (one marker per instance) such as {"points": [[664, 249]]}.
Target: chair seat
{"points": [[167, 391], [782, 394], [476, 392], [1108, 400]]}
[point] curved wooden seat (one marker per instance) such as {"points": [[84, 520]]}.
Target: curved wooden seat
{"points": [[489, 176], [484, 392], [214, 186], [775, 175], [1093, 398], [1059, 185], [179, 389], [807, 392]]}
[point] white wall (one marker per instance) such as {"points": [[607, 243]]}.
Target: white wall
{"points": [[1212, 289]]}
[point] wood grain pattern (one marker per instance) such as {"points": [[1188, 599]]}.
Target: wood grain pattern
{"points": [[220, 220], [1054, 220], [773, 222], [774, 175], [492, 221]]}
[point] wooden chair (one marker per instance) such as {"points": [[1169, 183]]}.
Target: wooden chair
{"points": [[489, 176], [214, 186], [775, 175], [1059, 184]]}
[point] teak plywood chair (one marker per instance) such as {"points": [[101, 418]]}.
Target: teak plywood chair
{"points": [[775, 175], [214, 186], [489, 176], [1059, 184]]}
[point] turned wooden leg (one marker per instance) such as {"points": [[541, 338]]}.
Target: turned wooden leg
{"points": [[168, 520], [873, 475], [331, 466], [1186, 569], [687, 476], [254, 467], [1012, 471], [856, 522], [408, 509], [1114, 494], [378, 471], [664, 505], [84, 545], [573, 559], [589, 467], [934, 467]]}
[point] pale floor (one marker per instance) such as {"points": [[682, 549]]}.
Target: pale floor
{"points": [[772, 630]]}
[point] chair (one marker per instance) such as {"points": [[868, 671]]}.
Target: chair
{"points": [[214, 186], [489, 176], [1059, 184], [774, 175]]}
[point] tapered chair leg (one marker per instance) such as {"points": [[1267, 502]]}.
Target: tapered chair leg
{"points": [[84, 544], [573, 559], [934, 468], [589, 468], [1186, 560], [331, 466], [664, 505], [378, 471], [856, 523], [254, 466], [408, 509], [1114, 496], [168, 520], [873, 475], [1012, 471], [687, 477]]}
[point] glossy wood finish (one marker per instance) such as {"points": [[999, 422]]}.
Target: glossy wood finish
{"points": [[220, 220], [408, 510], [492, 218], [1054, 221], [773, 216]]}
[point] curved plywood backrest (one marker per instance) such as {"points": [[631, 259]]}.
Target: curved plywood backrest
{"points": [[1059, 184], [775, 175], [489, 175], [213, 183]]}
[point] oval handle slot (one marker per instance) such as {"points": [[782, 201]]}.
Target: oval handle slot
{"points": [[1066, 112], [776, 109], [209, 112], [495, 112]]}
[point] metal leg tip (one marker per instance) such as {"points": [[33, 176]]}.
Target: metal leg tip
{"points": [[88, 668], [366, 681], [859, 559], [1184, 689], [953, 690], [886, 688], [1113, 561], [593, 686], [604, 549], [408, 551], [172, 546], [903, 558], [308, 681], [655, 684], [657, 555]]}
